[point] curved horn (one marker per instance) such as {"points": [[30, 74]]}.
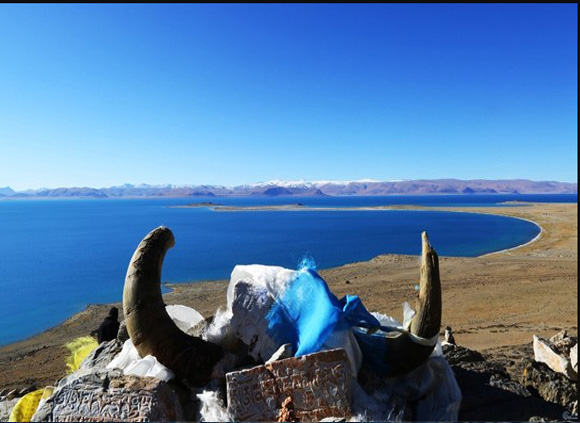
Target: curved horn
{"points": [[151, 329], [427, 321], [402, 351]]}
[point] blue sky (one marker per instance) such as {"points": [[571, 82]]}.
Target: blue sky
{"points": [[101, 95]]}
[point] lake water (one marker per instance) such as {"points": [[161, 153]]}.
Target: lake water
{"points": [[57, 256]]}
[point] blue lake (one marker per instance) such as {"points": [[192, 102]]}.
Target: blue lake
{"points": [[57, 256]]}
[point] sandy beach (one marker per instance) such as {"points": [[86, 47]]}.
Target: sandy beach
{"points": [[491, 302]]}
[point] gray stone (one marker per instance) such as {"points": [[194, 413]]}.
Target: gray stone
{"points": [[561, 339], [551, 386], [102, 355], [505, 383], [562, 343], [457, 354], [199, 328], [44, 409], [6, 407], [487, 394], [98, 377], [285, 351], [318, 385], [249, 309], [574, 358], [545, 353], [127, 398]]}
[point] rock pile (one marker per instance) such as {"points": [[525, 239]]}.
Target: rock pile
{"points": [[494, 385], [559, 353], [509, 385], [285, 349]]}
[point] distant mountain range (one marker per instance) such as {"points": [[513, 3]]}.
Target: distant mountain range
{"points": [[308, 188]]}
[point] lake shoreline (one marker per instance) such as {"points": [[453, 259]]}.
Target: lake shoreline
{"points": [[491, 301], [411, 207]]}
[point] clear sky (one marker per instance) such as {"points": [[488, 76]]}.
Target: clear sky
{"points": [[101, 95]]}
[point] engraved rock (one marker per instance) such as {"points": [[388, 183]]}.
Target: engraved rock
{"points": [[318, 384], [123, 399]]}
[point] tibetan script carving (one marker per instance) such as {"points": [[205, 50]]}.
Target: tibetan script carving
{"points": [[155, 402], [318, 385]]}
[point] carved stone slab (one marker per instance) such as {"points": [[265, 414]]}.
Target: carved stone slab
{"points": [[317, 384], [127, 399]]}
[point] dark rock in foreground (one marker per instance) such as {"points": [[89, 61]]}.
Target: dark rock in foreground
{"points": [[508, 386]]}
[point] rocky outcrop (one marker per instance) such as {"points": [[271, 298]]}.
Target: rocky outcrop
{"points": [[499, 386], [549, 385], [555, 353]]}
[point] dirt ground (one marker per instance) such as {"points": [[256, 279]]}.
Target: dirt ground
{"points": [[491, 302]]}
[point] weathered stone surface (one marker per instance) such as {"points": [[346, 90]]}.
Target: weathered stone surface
{"points": [[505, 383], [562, 342], [44, 408], [102, 355], [249, 309], [551, 386], [456, 354], [545, 353], [6, 407], [574, 358], [285, 351], [199, 328], [319, 386], [489, 385], [126, 398]]}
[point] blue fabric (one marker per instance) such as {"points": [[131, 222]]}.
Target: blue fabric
{"points": [[306, 313]]}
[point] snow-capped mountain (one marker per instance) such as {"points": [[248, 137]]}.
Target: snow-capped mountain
{"points": [[307, 188]]}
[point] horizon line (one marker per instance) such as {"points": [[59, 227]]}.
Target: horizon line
{"points": [[275, 182]]}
